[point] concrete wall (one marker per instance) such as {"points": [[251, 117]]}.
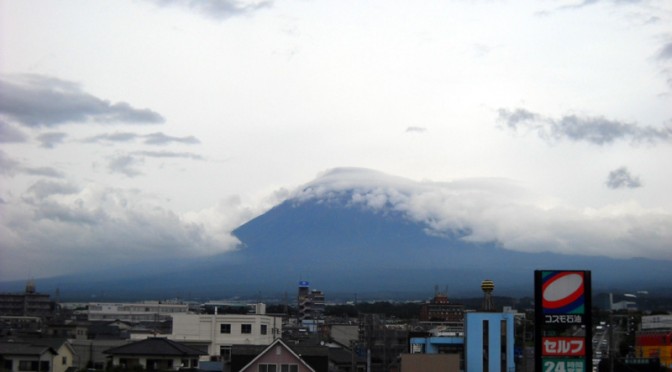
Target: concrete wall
{"points": [[200, 329]]}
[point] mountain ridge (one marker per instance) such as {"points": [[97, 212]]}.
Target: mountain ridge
{"points": [[348, 235]]}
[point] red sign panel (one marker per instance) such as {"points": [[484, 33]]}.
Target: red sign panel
{"points": [[563, 346]]}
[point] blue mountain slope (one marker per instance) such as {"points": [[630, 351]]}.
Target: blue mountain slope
{"points": [[339, 245], [344, 247]]}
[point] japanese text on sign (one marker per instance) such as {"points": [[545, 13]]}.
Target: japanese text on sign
{"points": [[563, 365], [563, 346], [563, 319]]}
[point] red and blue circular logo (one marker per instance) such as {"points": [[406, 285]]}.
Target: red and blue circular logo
{"points": [[563, 292]]}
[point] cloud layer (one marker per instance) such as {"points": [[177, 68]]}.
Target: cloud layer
{"points": [[43, 101], [621, 178], [218, 9], [497, 210], [157, 138], [61, 227], [594, 130]]}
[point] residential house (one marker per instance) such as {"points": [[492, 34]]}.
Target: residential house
{"points": [[26, 357], [277, 357], [63, 358], [155, 354]]}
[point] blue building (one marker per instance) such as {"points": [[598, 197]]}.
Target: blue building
{"points": [[489, 342]]}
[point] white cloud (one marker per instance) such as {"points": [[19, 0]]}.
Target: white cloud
{"points": [[497, 210], [58, 228]]}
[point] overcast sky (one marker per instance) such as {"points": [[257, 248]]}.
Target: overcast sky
{"points": [[142, 127]]}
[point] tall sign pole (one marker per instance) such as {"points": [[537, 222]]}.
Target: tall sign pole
{"points": [[563, 321]]}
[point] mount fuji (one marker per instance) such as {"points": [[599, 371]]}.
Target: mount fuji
{"points": [[359, 231]]}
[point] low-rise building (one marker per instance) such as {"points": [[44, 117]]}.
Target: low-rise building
{"points": [[26, 357], [154, 354], [27, 304], [148, 311], [215, 334]]}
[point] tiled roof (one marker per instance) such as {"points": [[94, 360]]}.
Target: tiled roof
{"points": [[19, 348], [155, 346]]}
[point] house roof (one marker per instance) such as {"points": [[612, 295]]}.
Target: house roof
{"points": [[26, 349], [155, 346], [272, 345]]}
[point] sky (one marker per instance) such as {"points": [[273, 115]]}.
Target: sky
{"points": [[136, 128]]}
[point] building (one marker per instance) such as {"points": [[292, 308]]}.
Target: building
{"points": [[154, 354], [148, 311], [656, 322], [430, 362], [310, 302], [215, 334], [441, 310], [485, 344], [277, 357], [27, 304], [26, 357], [489, 342], [655, 343]]}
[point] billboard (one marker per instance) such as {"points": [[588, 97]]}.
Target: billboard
{"points": [[563, 320]]}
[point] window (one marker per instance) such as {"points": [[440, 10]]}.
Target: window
{"points": [[264, 329], [28, 365], [225, 328], [246, 328], [289, 368], [268, 368], [65, 360]]}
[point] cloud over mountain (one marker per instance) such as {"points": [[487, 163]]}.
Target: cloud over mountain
{"points": [[78, 224], [498, 210], [44, 101]]}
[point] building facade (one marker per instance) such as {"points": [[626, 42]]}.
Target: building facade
{"points": [[215, 334], [149, 311], [311, 303], [30, 303]]}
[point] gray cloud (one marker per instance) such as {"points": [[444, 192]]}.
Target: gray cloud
{"points": [[56, 227], [157, 138], [415, 130], [9, 134], [42, 189], [51, 139], [43, 171], [10, 167], [113, 137], [218, 9], [591, 2], [621, 178], [124, 164], [666, 51], [37, 100], [595, 130], [169, 154], [162, 139]]}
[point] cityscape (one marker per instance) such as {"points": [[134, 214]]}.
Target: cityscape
{"points": [[335, 186], [308, 332]]}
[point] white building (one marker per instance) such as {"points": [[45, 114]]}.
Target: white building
{"points": [[148, 311], [217, 333], [656, 322]]}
